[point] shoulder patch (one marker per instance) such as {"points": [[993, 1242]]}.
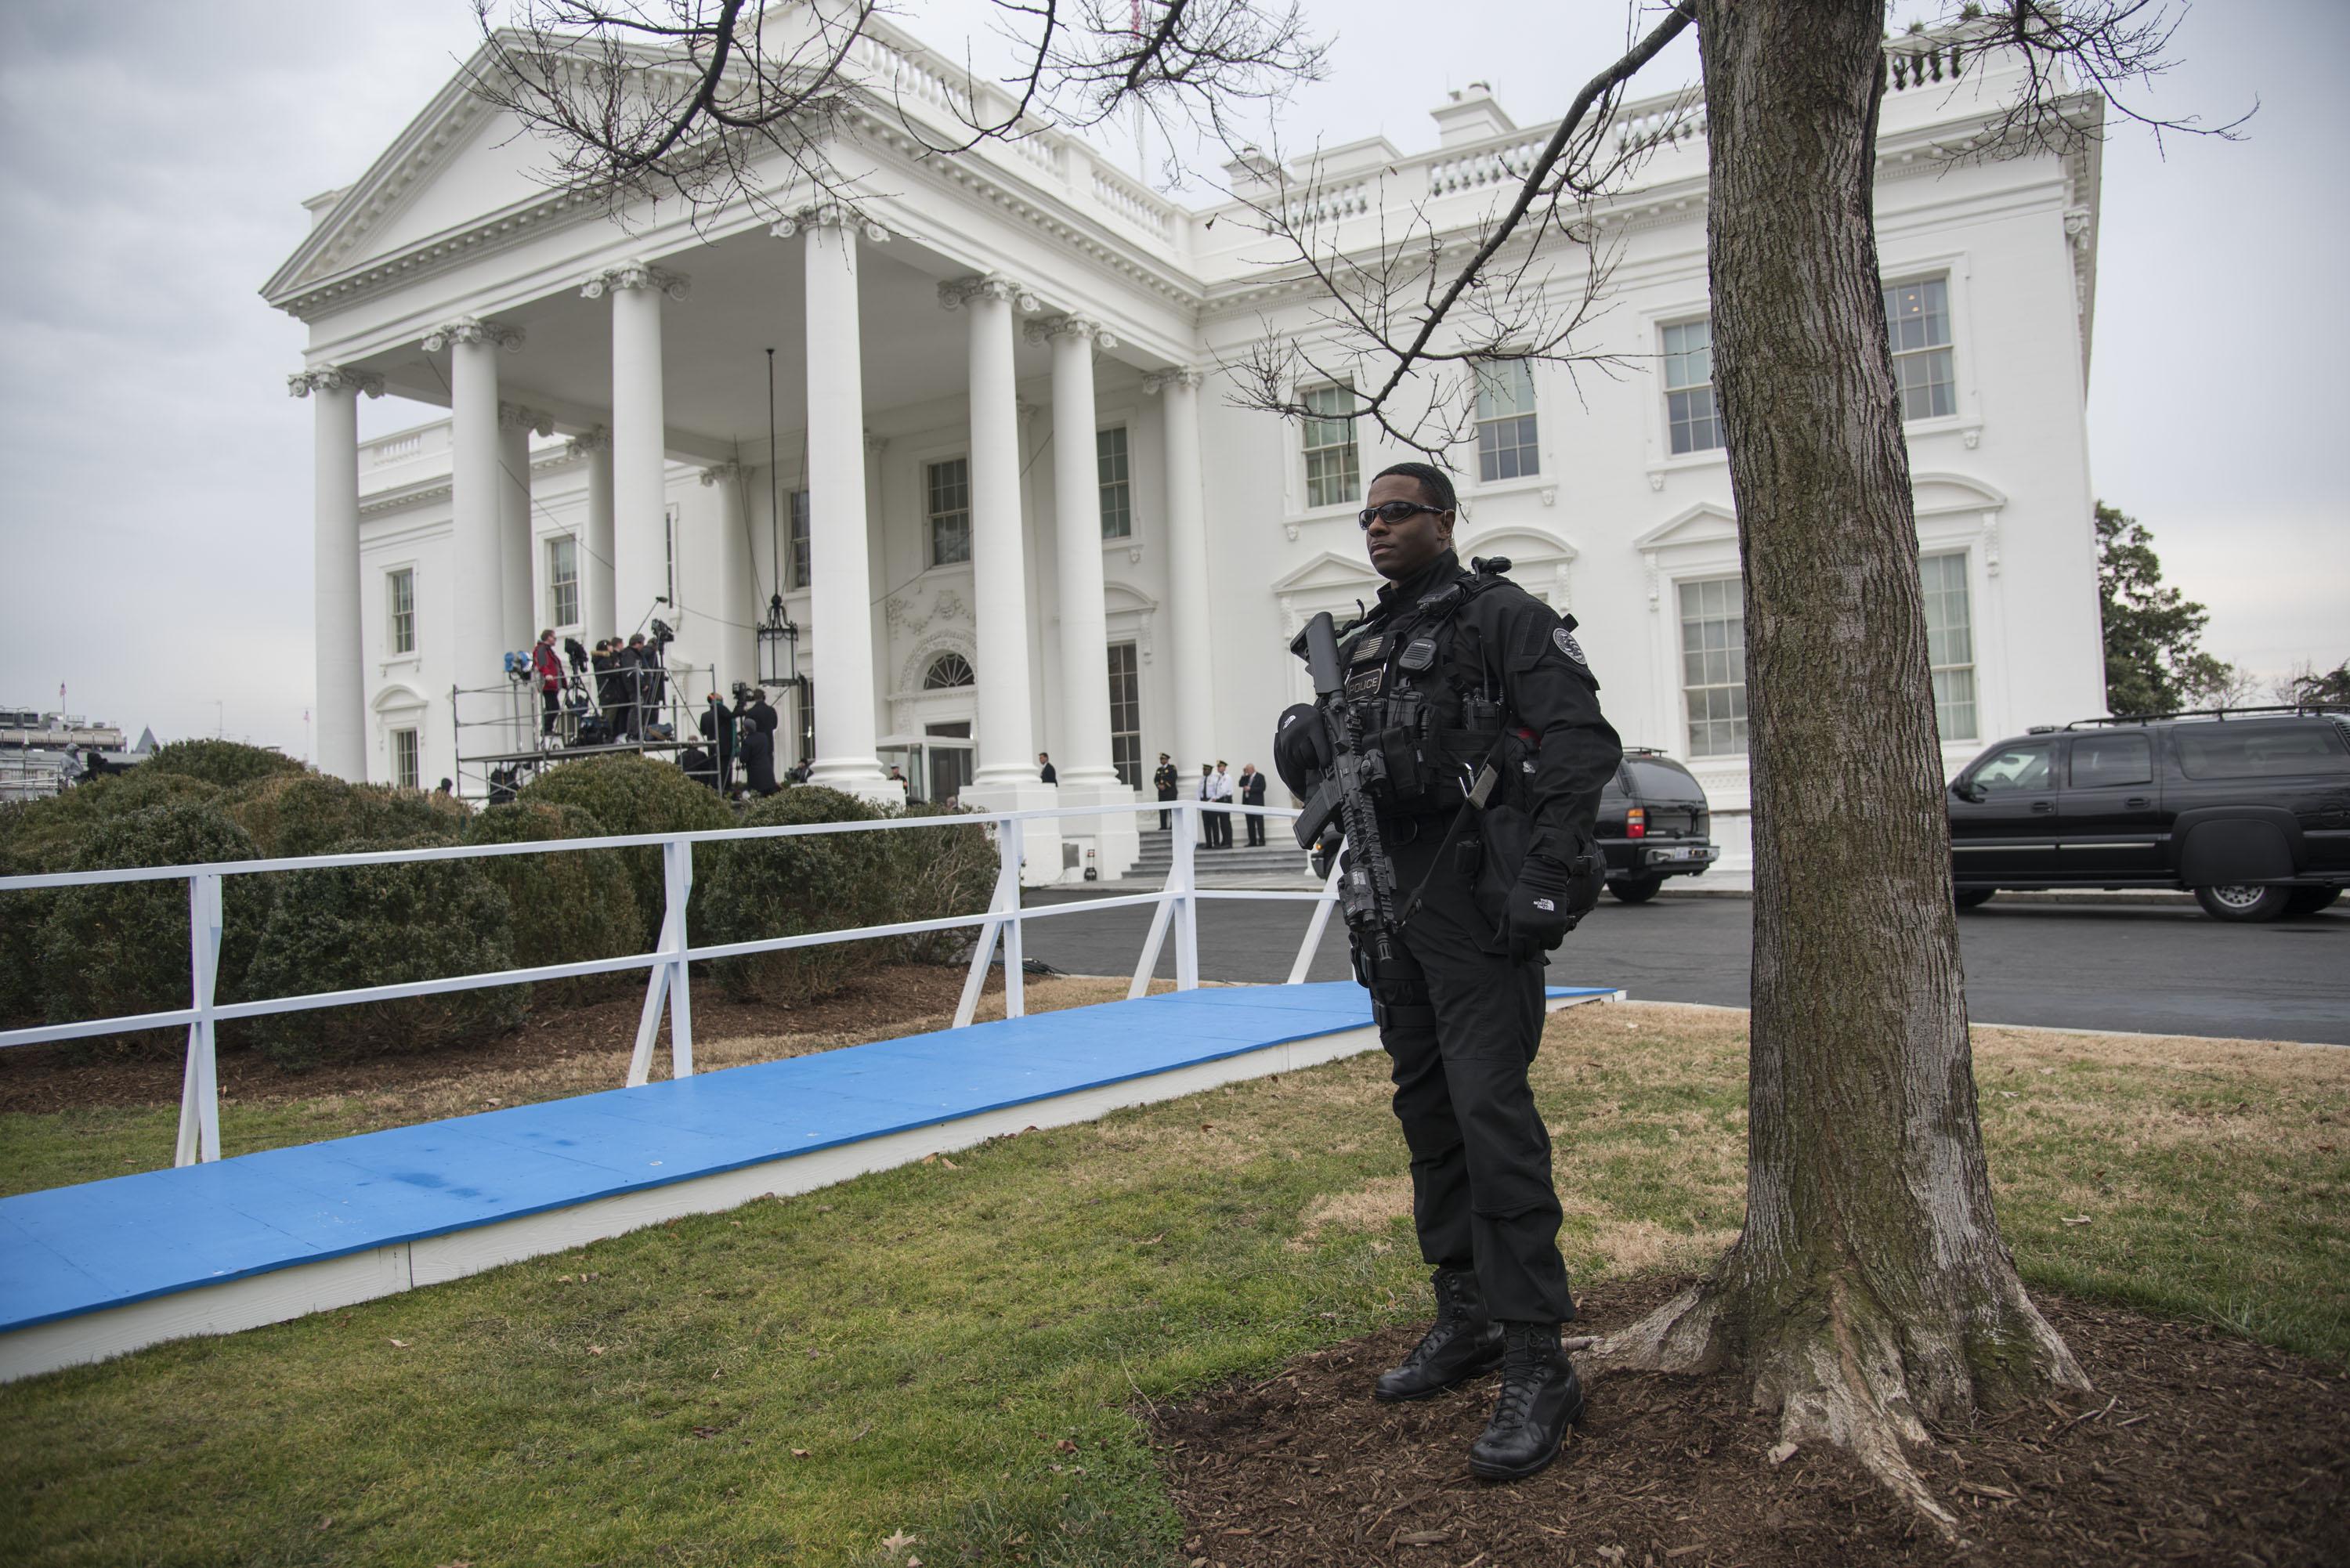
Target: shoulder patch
{"points": [[1568, 646]]}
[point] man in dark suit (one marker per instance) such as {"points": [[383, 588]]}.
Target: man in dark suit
{"points": [[1164, 780], [1045, 766], [1252, 793]]}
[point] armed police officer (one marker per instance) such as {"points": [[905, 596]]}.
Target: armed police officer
{"points": [[1460, 748]]}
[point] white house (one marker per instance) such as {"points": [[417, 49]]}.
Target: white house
{"points": [[1009, 496]]}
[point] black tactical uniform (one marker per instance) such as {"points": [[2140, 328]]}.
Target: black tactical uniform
{"points": [[1462, 669]]}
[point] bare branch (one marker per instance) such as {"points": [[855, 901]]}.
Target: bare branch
{"points": [[2118, 48]]}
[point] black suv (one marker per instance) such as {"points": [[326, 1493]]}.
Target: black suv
{"points": [[1653, 823], [2248, 807]]}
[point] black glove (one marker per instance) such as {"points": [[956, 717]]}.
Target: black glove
{"points": [[1301, 748], [1547, 902]]}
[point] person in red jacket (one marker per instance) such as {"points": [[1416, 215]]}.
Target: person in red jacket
{"points": [[547, 665]]}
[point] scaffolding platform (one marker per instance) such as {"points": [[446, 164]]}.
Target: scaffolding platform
{"points": [[95, 1270]]}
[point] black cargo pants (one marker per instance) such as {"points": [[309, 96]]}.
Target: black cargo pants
{"points": [[1461, 1025]]}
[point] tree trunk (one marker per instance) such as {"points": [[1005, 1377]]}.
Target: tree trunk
{"points": [[1871, 1292]]}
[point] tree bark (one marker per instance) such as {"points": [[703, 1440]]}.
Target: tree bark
{"points": [[1870, 1294]]}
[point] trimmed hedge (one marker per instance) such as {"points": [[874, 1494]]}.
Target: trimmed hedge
{"points": [[785, 887], [568, 906], [631, 795], [336, 930], [303, 813], [226, 763], [930, 874], [123, 947]]}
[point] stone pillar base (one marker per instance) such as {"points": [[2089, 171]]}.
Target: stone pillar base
{"points": [[1115, 842], [1040, 837], [867, 783]]}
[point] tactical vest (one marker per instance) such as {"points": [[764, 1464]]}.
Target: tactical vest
{"points": [[1428, 702]]}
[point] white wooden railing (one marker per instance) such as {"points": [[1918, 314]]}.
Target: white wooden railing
{"points": [[668, 986]]}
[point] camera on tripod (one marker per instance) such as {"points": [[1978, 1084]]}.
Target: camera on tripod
{"points": [[663, 635], [578, 655], [744, 692]]}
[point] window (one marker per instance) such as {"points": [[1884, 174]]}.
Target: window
{"points": [[2104, 762], [1125, 715], [2017, 767], [947, 672], [406, 771], [669, 554], [563, 580], [400, 624], [1689, 387], [1117, 496], [1713, 667], [2241, 751], [1949, 644], [1918, 318], [1333, 476], [798, 527], [1505, 420], [949, 485]]}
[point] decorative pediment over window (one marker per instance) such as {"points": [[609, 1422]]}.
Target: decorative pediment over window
{"points": [[1703, 523], [1542, 563], [397, 698], [1953, 493], [1330, 572]]}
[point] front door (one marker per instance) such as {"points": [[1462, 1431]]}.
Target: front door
{"points": [[2004, 817], [2111, 808]]}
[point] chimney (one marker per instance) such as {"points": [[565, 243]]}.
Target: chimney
{"points": [[1470, 114]]}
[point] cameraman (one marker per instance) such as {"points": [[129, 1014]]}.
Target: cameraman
{"points": [[717, 729], [755, 722]]}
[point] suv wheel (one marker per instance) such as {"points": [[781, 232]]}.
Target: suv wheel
{"points": [[2310, 900], [1638, 891], [2243, 901], [1969, 897]]}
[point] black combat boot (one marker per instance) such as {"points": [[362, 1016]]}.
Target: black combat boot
{"points": [[1463, 1344], [1541, 1397]]}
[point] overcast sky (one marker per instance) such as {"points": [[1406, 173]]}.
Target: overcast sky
{"points": [[155, 477]]}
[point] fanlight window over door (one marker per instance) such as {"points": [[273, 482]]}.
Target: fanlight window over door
{"points": [[947, 671]]}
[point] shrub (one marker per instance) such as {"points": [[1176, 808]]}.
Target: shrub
{"points": [[338, 928], [634, 794], [580, 905], [302, 813], [226, 763], [123, 947], [784, 886], [931, 873]]}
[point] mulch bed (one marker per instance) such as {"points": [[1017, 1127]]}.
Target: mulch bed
{"points": [[2197, 1447], [77, 1073]]}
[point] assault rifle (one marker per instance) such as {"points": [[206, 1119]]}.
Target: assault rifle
{"points": [[1367, 894]]}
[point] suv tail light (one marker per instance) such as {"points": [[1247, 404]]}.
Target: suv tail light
{"points": [[1635, 821]]}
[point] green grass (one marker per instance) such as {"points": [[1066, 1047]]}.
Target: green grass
{"points": [[933, 1336]]}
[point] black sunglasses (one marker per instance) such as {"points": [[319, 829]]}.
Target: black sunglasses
{"points": [[1396, 511]]}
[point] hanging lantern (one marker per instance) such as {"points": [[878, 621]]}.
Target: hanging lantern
{"points": [[779, 650]]}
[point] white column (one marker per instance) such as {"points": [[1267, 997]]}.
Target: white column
{"points": [[596, 613], [841, 616], [341, 701], [475, 567], [518, 572], [639, 438], [1005, 778], [1083, 764], [1189, 639], [732, 641]]}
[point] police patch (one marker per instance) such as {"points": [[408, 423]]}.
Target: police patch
{"points": [[1567, 645]]}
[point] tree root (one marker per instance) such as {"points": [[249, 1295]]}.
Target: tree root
{"points": [[1836, 1367]]}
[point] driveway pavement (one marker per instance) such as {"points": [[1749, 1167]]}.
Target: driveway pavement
{"points": [[2165, 970]]}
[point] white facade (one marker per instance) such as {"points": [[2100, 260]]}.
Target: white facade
{"points": [[952, 346]]}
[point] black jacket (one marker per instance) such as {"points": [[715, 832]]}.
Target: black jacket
{"points": [[1252, 790], [1532, 659]]}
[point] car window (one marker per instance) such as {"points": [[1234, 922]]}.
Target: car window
{"points": [[2104, 761], [2023, 766], [2225, 751], [1657, 780]]}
